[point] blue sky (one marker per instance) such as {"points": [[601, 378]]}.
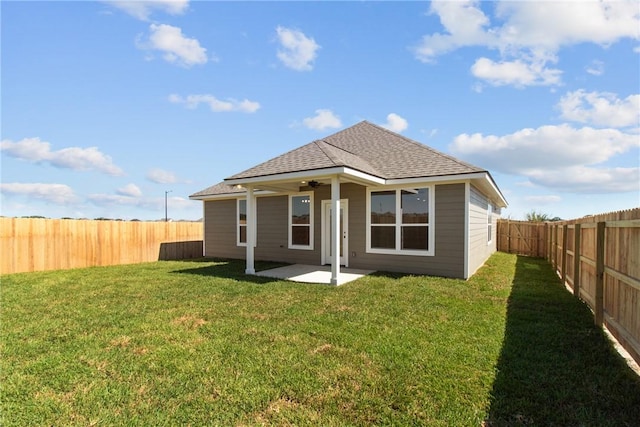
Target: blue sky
{"points": [[107, 105]]}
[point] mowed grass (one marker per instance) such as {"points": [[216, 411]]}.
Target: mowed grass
{"points": [[200, 343]]}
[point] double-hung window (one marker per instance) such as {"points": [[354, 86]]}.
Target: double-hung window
{"points": [[489, 222], [241, 219], [400, 221], [301, 221]]}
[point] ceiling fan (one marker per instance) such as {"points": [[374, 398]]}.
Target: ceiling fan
{"points": [[314, 184]]}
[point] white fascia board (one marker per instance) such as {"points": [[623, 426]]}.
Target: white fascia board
{"points": [[305, 175], [237, 195], [486, 183], [502, 201], [361, 176], [483, 177], [448, 179]]}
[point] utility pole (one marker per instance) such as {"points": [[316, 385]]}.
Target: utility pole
{"points": [[166, 217]]}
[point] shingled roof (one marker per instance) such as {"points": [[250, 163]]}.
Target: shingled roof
{"points": [[367, 148], [364, 147]]}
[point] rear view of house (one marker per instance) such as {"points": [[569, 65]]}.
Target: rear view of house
{"points": [[365, 198]]}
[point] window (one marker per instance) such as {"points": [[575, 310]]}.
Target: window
{"points": [[301, 221], [489, 222], [400, 221], [383, 219], [241, 218]]}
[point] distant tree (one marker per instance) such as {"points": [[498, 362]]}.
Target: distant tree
{"points": [[535, 216]]}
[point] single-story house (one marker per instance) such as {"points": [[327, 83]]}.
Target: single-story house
{"points": [[401, 207]]}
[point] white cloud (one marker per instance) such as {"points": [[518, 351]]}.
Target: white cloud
{"points": [[142, 9], [555, 156], [518, 73], [216, 105], [324, 119], [600, 108], [148, 203], [59, 194], [583, 179], [31, 149], [596, 68], [75, 158], [551, 25], [130, 190], [465, 24], [526, 184], [161, 176], [528, 36], [176, 47], [395, 123], [122, 200], [297, 50], [543, 200], [544, 147]]}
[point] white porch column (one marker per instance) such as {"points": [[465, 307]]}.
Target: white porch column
{"points": [[335, 229], [251, 228]]}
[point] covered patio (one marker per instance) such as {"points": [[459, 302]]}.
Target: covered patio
{"points": [[288, 182], [313, 274]]}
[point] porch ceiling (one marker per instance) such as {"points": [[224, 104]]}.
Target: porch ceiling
{"points": [[294, 181]]}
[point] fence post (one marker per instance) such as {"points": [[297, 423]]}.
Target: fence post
{"points": [[555, 247], [550, 243], [599, 300], [549, 240], [576, 260], [565, 234]]}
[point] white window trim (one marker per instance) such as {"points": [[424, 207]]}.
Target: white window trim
{"points": [[311, 220], [489, 222], [398, 225], [238, 242]]}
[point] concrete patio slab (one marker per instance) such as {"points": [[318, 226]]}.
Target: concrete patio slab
{"points": [[313, 273]]}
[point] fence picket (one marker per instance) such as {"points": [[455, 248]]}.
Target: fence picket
{"points": [[605, 268], [35, 244]]}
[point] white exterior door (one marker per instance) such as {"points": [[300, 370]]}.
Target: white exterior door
{"points": [[344, 232]]}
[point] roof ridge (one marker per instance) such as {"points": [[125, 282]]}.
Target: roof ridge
{"points": [[320, 144], [413, 141], [345, 162], [339, 148]]}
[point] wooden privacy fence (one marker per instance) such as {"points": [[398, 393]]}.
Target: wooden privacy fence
{"points": [[30, 244], [598, 257], [522, 238]]}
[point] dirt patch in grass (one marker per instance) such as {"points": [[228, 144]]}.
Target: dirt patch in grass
{"points": [[190, 322]]}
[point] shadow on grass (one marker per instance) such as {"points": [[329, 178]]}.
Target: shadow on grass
{"points": [[556, 367], [230, 269]]}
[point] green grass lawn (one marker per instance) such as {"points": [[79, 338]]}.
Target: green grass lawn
{"points": [[200, 343]]}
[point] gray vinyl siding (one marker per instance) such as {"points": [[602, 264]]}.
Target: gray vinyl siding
{"points": [[448, 225], [479, 248], [220, 230], [272, 233]]}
